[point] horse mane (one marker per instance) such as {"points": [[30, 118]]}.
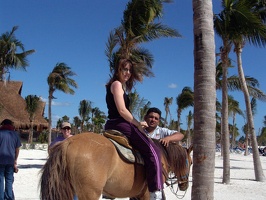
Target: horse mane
{"points": [[177, 157]]}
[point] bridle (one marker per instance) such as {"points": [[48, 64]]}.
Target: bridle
{"points": [[173, 180]]}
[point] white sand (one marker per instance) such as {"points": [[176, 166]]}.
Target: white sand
{"points": [[242, 184]]}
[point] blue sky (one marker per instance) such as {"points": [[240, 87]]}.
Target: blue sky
{"points": [[76, 32]]}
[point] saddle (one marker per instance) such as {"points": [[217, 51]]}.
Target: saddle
{"points": [[123, 147]]}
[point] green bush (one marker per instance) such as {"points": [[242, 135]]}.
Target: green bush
{"points": [[43, 137]]}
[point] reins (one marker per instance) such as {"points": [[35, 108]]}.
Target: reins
{"points": [[171, 182], [172, 179]]}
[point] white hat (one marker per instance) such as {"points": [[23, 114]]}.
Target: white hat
{"points": [[66, 124]]}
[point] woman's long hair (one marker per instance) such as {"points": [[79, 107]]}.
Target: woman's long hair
{"points": [[118, 70]]}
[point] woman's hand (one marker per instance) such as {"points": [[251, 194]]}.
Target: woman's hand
{"points": [[141, 126]]}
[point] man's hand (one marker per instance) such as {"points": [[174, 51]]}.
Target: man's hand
{"points": [[15, 168], [165, 141]]}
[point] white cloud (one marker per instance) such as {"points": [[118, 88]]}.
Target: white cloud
{"points": [[43, 99], [60, 103], [54, 103], [172, 85]]}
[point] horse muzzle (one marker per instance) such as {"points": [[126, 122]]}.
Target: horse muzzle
{"points": [[183, 185]]}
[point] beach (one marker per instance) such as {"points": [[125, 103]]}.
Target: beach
{"points": [[242, 184]]}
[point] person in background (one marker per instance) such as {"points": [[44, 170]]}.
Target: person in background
{"points": [[121, 119], [65, 133], [9, 151], [153, 130]]}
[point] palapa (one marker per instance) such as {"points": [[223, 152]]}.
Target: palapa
{"points": [[13, 107]]}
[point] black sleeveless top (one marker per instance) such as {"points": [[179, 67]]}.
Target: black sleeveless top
{"points": [[112, 110]]}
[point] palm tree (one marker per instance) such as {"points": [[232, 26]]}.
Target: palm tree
{"points": [[98, 119], [220, 24], [253, 30], [59, 123], [32, 104], [136, 102], [9, 57], [204, 101], [233, 109], [143, 110], [253, 105], [184, 100], [218, 122], [65, 118], [189, 123], [85, 108], [262, 137], [167, 103], [234, 84], [137, 27], [59, 79], [76, 123], [228, 24]]}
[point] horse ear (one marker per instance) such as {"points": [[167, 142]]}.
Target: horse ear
{"points": [[190, 149]]}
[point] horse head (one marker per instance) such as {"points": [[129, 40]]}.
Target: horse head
{"points": [[183, 178], [179, 163]]}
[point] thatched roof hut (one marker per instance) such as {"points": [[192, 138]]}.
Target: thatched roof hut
{"points": [[13, 107]]}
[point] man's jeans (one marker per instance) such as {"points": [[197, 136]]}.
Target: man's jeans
{"points": [[6, 182]]}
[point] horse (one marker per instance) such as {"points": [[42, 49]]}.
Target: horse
{"points": [[88, 165]]}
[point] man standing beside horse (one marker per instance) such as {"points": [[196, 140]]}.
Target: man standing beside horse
{"points": [[154, 131]]}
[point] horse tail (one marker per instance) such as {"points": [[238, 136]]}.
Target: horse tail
{"points": [[55, 181]]}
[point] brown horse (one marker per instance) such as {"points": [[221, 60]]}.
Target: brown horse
{"points": [[88, 165]]}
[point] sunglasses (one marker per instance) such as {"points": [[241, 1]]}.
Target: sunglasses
{"points": [[66, 128], [127, 70]]}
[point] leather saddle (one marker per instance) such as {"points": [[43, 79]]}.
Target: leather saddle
{"points": [[123, 147]]}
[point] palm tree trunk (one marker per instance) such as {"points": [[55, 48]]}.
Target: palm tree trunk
{"points": [[233, 132], [166, 115], [188, 137], [178, 120], [204, 102], [259, 176], [2, 71], [224, 120], [82, 126], [31, 132], [246, 140], [50, 118]]}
